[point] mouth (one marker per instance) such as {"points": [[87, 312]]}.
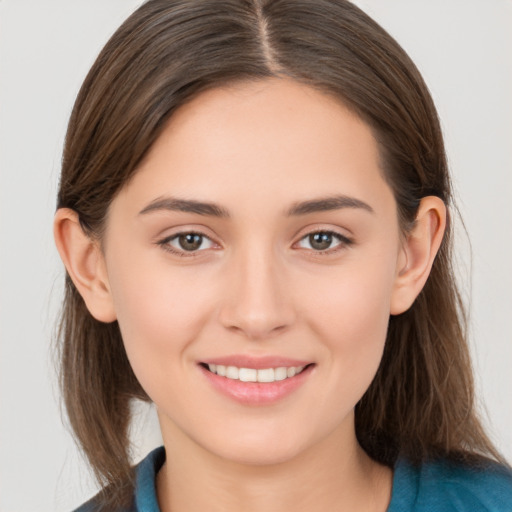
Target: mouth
{"points": [[266, 375], [256, 382]]}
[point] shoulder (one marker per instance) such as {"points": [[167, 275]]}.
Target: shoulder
{"points": [[144, 493], [446, 486]]}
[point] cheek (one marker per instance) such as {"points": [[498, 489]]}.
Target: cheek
{"points": [[160, 312], [355, 323], [355, 298], [351, 317]]}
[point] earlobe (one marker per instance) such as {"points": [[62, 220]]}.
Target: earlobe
{"points": [[418, 253], [85, 264]]}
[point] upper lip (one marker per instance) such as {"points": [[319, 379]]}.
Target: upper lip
{"points": [[261, 362]]}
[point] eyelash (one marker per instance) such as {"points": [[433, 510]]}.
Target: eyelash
{"points": [[344, 241], [165, 242]]}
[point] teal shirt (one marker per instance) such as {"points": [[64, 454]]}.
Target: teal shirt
{"points": [[438, 486]]}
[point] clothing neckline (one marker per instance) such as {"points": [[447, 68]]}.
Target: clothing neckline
{"points": [[147, 470], [440, 484]]}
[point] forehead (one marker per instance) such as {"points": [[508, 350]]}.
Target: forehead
{"points": [[271, 138]]}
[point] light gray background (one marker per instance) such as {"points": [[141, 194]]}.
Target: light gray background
{"points": [[463, 48]]}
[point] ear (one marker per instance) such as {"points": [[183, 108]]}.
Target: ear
{"points": [[418, 253], [85, 264]]}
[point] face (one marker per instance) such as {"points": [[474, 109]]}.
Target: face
{"points": [[258, 239]]}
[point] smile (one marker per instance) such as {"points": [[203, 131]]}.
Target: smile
{"points": [[256, 381], [255, 375]]}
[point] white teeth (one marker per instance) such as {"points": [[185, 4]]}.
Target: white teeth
{"points": [[266, 375], [280, 373], [253, 375], [248, 375], [232, 372]]}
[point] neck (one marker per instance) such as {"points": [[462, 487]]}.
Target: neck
{"points": [[334, 475]]}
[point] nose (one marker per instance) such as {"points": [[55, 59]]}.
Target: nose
{"points": [[256, 303]]}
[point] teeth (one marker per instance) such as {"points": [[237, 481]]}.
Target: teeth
{"points": [[266, 375], [248, 375], [232, 372], [253, 375], [280, 373]]}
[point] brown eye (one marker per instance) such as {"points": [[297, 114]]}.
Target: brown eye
{"points": [[320, 241], [324, 241], [190, 241], [186, 242]]}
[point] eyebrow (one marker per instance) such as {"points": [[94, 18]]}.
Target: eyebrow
{"points": [[214, 210], [328, 204], [185, 205]]}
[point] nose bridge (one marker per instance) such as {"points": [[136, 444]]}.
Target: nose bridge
{"points": [[256, 300]]}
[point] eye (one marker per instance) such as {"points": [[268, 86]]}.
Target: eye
{"points": [[189, 242], [323, 241]]}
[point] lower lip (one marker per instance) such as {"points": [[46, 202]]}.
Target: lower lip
{"points": [[257, 393]]}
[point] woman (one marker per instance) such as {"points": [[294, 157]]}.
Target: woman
{"points": [[253, 217]]}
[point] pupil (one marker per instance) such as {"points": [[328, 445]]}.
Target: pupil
{"points": [[190, 241], [320, 241]]}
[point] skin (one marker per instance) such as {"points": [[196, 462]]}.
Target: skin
{"points": [[257, 286]]}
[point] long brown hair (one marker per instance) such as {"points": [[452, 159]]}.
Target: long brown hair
{"points": [[421, 402]]}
